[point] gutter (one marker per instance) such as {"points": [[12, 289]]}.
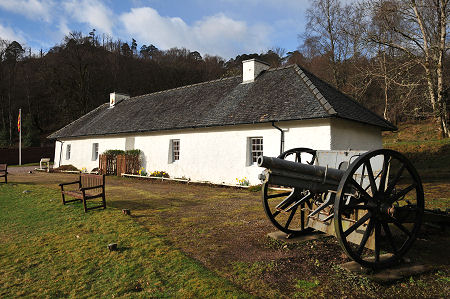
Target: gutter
{"points": [[282, 137]]}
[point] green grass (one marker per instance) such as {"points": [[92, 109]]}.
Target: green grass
{"points": [[51, 250], [306, 288]]}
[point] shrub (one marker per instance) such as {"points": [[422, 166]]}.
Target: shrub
{"points": [[134, 152], [160, 173], [255, 188], [113, 153], [69, 167]]}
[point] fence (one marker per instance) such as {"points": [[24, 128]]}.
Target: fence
{"points": [[29, 154], [116, 165], [107, 164], [128, 164]]}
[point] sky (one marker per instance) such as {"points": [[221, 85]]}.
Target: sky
{"points": [[216, 27]]}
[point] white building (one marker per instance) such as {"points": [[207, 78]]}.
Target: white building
{"points": [[214, 131]]}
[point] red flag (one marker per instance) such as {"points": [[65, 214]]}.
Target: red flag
{"points": [[19, 119]]}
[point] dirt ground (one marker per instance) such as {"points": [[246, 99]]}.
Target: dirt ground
{"points": [[226, 229]]}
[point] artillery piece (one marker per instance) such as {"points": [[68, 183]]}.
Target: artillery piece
{"points": [[373, 202]]}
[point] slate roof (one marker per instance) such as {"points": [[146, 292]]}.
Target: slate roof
{"points": [[280, 94]]}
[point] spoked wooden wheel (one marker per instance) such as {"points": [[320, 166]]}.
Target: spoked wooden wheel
{"points": [[378, 208], [284, 206]]}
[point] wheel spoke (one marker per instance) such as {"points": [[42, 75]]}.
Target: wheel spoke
{"points": [[402, 193], [373, 185], [302, 200], [298, 158], [357, 224], [279, 195], [384, 172], [286, 202], [363, 193], [275, 214], [290, 217], [387, 230], [377, 241], [395, 180], [400, 226], [365, 237]]}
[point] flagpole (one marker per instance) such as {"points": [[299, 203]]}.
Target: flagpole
{"points": [[20, 137]]}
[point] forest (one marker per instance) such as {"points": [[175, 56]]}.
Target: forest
{"points": [[389, 55]]}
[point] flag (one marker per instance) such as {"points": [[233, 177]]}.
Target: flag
{"points": [[19, 120]]}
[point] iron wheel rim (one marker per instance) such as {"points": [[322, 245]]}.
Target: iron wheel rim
{"points": [[292, 219], [378, 216]]}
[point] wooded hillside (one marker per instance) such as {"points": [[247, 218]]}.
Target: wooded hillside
{"points": [[390, 55]]}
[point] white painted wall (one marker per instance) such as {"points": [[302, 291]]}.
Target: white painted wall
{"points": [[356, 136], [81, 150], [219, 155]]}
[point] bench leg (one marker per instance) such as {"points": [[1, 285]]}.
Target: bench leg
{"points": [[62, 194], [104, 200], [84, 202]]}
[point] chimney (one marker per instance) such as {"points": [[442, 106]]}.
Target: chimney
{"points": [[251, 68], [115, 97]]}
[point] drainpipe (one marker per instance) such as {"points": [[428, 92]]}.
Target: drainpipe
{"points": [[282, 137], [60, 151]]}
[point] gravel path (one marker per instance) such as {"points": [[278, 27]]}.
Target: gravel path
{"points": [[21, 169]]}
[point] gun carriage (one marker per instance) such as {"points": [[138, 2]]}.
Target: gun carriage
{"points": [[373, 202]]}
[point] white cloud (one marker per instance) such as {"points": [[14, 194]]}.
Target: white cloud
{"points": [[92, 12], [63, 27], [7, 33], [32, 9], [215, 35]]}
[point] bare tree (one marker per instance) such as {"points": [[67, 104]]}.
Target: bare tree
{"points": [[418, 28], [326, 35]]}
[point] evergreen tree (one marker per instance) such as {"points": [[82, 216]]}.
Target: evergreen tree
{"points": [[30, 132], [4, 137]]}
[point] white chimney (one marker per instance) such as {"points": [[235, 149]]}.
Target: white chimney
{"points": [[251, 68], [115, 97]]}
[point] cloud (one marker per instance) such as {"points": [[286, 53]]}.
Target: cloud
{"points": [[7, 33], [215, 35], [32, 9], [92, 12]]}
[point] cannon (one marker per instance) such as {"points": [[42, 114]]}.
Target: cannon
{"points": [[373, 202]]}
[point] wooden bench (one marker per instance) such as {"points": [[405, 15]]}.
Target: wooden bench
{"points": [[4, 172], [90, 186]]}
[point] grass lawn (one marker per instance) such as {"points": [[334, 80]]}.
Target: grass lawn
{"points": [[51, 250], [197, 241]]}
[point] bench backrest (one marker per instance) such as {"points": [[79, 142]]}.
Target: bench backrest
{"points": [[3, 167], [91, 180]]}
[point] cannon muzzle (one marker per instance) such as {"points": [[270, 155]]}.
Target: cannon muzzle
{"points": [[293, 174]]}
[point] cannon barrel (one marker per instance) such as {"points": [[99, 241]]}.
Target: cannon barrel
{"points": [[287, 173]]}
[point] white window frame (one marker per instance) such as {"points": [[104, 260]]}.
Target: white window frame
{"points": [[68, 151], [175, 149], [255, 148], [95, 151]]}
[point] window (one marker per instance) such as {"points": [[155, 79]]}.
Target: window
{"points": [[68, 147], [94, 151], [174, 150], [256, 149]]}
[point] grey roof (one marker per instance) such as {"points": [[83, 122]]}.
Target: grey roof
{"points": [[281, 94]]}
